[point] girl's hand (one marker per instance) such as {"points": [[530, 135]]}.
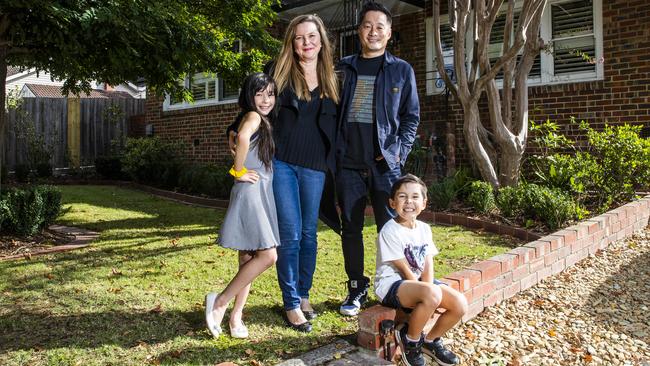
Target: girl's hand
{"points": [[250, 177]]}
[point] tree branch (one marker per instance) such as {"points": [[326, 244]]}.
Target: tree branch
{"points": [[440, 59]]}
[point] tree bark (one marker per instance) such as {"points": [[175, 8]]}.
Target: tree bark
{"points": [[3, 115], [472, 120]]}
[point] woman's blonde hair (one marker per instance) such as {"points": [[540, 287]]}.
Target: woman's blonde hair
{"points": [[288, 72]]}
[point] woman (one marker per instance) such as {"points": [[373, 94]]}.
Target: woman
{"points": [[304, 135]]}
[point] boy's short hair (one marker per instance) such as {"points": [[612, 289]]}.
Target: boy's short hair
{"points": [[374, 6], [405, 179]]}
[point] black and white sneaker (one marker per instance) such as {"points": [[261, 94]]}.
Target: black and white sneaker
{"points": [[437, 351], [411, 351], [357, 296]]}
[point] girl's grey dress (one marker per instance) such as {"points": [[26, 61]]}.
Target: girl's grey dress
{"points": [[251, 222]]}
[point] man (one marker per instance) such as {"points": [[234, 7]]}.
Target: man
{"points": [[379, 116]]}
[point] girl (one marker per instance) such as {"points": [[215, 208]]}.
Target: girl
{"points": [[250, 225]]}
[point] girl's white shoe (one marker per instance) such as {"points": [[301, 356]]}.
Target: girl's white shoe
{"points": [[215, 329], [239, 331]]}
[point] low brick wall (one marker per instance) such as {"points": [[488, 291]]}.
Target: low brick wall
{"points": [[498, 278]]}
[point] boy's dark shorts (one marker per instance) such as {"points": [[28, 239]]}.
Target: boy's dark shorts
{"points": [[391, 299]]}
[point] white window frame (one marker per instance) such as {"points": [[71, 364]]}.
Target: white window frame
{"points": [[547, 77], [168, 106]]}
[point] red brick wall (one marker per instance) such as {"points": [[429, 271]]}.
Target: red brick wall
{"points": [[202, 129]]}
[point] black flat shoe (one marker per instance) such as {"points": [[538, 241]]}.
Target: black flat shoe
{"points": [[304, 327], [310, 315]]}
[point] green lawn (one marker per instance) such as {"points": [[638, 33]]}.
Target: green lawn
{"points": [[136, 295]]}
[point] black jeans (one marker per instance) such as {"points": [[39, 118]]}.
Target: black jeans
{"points": [[353, 188]]}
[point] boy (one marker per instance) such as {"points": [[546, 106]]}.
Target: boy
{"points": [[404, 277]]}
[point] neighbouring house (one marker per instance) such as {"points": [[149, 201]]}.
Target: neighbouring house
{"points": [[54, 91], [613, 87], [18, 77]]}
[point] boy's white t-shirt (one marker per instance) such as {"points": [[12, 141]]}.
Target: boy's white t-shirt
{"points": [[395, 242]]}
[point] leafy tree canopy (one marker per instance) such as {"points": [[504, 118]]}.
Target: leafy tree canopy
{"points": [[118, 40]]}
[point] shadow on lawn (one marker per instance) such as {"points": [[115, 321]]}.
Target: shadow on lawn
{"points": [[617, 301], [23, 330]]}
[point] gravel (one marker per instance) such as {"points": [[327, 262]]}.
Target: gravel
{"points": [[595, 313]]}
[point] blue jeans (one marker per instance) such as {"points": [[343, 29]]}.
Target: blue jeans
{"points": [[297, 192], [353, 187]]}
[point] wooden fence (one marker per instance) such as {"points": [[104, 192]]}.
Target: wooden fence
{"points": [[75, 131]]}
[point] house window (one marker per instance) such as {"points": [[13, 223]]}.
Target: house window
{"points": [[207, 89], [572, 29]]}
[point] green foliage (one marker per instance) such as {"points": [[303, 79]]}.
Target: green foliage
{"points": [[510, 201], [481, 196], [109, 167], [206, 179], [442, 193], [117, 41], [29, 210], [44, 169], [604, 172], [153, 161], [551, 206], [22, 172]]}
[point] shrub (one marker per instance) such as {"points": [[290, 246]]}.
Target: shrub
{"points": [[22, 172], [153, 161], [442, 193], [51, 204], [30, 210], [606, 171], [109, 167], [510, 201], [551, 206], [44, 169], [481, 196], [207, 179]]}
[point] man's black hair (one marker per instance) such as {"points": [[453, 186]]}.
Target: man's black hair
{"points": [[374, 6]]}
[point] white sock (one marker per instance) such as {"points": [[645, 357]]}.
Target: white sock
{"points": [[408, 339]]}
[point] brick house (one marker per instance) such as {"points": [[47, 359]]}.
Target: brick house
{"points": [[613, 88]]}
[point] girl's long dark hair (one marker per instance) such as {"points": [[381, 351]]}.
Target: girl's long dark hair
{"points": [[253, 84]]}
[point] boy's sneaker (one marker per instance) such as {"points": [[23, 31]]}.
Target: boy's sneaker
{"points": [[357, 295], [439, 353], [411, 351]]}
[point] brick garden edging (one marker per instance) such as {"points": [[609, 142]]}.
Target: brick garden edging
{"points": [[498, 278]]}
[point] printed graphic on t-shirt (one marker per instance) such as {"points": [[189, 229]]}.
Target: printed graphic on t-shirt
{"points": [[361, 106], [415, 255]]}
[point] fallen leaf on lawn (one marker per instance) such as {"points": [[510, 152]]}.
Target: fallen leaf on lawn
{"points": [[115, 272], [174, 242], [152, 360], [208, 262], [587, 357], [28, 256], [256, 363], [115, 289], [552, 333], [190, 333], [49, 276], [337, 355], [538, 302], [157, 310], [163, 264], [249, 352], [176, 354]]}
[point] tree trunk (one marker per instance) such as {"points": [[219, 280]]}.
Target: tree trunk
{"points": [[481, 157]]}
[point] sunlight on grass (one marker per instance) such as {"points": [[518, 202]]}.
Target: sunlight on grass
{"points": [[136, 295]]}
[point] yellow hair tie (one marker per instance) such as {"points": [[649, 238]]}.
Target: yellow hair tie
{"points": [[237, 173]]}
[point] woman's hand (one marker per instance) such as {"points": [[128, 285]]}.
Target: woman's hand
{"points": [[251, 176]]}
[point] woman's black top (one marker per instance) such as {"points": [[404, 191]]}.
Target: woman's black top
{"points": [[299, 140]]}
